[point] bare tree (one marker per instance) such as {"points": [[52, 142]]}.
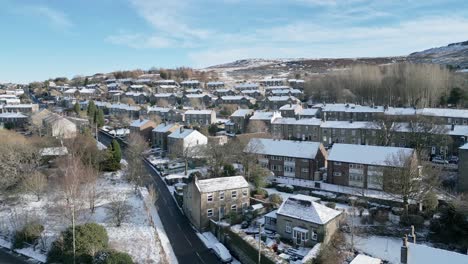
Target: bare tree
{"points": [[255, 126], [405, 180], [119, 209], [162, 103], [91, 191], [217, 156], [35, 183], [136, 173]]}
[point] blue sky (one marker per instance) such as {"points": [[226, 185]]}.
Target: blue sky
{"points": [[44, 39]]}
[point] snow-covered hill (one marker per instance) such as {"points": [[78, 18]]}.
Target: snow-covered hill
{"points": [[455, 54]]}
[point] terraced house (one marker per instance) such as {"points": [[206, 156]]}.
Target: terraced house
{"points": [[200, 117], [238, 121], [346, 112], [363, 166], [299, 129], [350, 132], [296, 159], [214, 199]]}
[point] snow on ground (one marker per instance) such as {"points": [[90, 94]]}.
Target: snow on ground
{"points": [[136, 235], [208, 239], [386, 248]]}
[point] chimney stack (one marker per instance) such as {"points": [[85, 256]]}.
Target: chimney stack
{"points": [[453, 127], [181, 129], [404, 251]]}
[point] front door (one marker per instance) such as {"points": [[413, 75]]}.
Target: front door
{"points": [[221, 212]]}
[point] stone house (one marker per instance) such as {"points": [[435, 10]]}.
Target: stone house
{"points": [[349, 132], [364, 166], [143, 127], [287, 158], [214, 199], [183, 140], [238, 121], [200, 117], [306, 222], [307, 129], [161, 132]]}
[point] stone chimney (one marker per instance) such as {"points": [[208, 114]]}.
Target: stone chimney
{"points": [[452, 127], [181, 129], [404, 251]]}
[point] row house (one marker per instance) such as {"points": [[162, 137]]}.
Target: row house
{"points": [[296, 83], [137, 88], [215, 199], [193, 91], [13, 119], [307, 129], [284, 92], [113, 86], [237, 100], [275, 102], [445, 115], [304, 221], [143, 127], [253, 93], [59, 127], [238, 121], [290, 110], [263, 119], [166, 114], [197, 99], [200, 117], [164, 98], [224, 92], [246, 86], [288, 158], [365, 166], [399, 112], [185, 142], [350, 132], [160, 133], [441, 139], [214, 85], [190, 84], [346, 112], [21, 108], [274, 82], [167, 88], [137, 97], [132, 111], [166, 82]]}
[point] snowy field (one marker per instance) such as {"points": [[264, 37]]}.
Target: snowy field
{"points": [[136, 235]]}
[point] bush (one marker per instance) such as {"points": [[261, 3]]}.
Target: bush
{"points": [[89, 238], [29, 234], [412, 219], [331, 205], [285, 188], [430, 202], [261, 192], [276, 199], [112, 257]]}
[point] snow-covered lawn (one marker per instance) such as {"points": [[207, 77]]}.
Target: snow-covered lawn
{"points": [[385, 248], [136, 235]]}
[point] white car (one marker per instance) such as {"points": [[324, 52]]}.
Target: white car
{"points": [[222, 253]]}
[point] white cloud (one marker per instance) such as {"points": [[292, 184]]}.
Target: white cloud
{"points": [[139, 41], [56, 17]]}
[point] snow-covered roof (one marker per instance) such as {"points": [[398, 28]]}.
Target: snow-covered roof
{"points": [[370, 155], [304, 208], [242, 112], [158, 109], [87, 91], [184, 133], [443, 112], [308, 111], [250, 91], [214, 83], [221, 184], [12, 115], [136, 86], [422, 254], [401, 111], [363, 259], [464, 146], [190, 82], [196, 95], [350, 108], [125, 107], [139, 122], [349, 125], [290, 107], [266, 116], [278, 87], [286, 91], [164, 127], [281, 98], [294, 121], [162, 95], [246, 85], [199, 112], [284, 148], [20, 106]]}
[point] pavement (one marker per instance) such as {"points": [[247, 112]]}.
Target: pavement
{"points": [[187, 246]]}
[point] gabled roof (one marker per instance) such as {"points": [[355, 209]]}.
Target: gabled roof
{"points": [[349, 125], [199, 112], [221, 184], [443, 112], [305, 208], [139, 122], [184, 133], [242, 112], [422, 254], [284, 148], [294, 121], [370, 155], [165, 127]]}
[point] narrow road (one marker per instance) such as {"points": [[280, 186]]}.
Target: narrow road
{"points": [[6, 258], [188, 248]]}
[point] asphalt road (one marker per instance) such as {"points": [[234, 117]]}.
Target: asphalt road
{"points": [[6, 258], [188, 248]]}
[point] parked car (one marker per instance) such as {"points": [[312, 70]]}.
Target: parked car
{"points": [[222, 253], [453, 160], [439, 160]]}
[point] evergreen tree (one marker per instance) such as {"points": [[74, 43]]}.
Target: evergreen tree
{"points": [[116, 151], [91, 109], [76, 108], [99, 118]]}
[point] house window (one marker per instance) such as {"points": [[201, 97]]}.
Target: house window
{"points": [[288, 159], [209, 212], [337, 174], [313, 235], [209, 197], [234, 208], [234, 194], [244, 192], [288, 169], [244, 206], [221, 195], [305, 170], [337, 163], [276, 167], [288, 227]]}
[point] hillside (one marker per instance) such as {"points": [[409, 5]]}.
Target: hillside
{"points": [[455, 54]]}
